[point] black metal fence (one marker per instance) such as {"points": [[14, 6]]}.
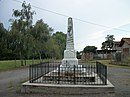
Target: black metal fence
{"points": [[101, 71], [55, 73]]}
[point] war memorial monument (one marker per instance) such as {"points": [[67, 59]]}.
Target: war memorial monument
{"points": [[69, 76]]}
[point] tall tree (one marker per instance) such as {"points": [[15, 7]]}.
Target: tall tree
{"points": [[104, 46], [109, 41], [60, 39], [53, 49], [41, 33], [3, 42], [22, 24], [108, 44]]}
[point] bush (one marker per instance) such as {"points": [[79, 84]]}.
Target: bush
{"points": [[118, 56]]}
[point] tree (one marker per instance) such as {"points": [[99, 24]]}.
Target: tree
{"points": [[60, 39], [53, 49], [104, 46], [3, 42], [88, 49], [41, 33], [25, 40], [21, 25], [109, 41], [108, 44], [79, 54]]}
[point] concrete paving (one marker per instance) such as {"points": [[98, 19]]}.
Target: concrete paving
{"points": [[66, 89]]}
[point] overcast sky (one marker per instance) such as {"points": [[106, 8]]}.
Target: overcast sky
{"points": [[110, 13]]}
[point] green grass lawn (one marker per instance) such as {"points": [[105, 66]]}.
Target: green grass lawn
{"points": [[107, 62], [12, 64]]}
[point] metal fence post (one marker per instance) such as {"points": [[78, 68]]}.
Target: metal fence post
{"points": [[30, 73], [59, 74], [74, 74], [105, 75]]}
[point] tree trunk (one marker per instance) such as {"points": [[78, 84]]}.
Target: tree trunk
{"points": [[21, 59], [25, 61], [32, 60], [40, 57], [103, 55]]}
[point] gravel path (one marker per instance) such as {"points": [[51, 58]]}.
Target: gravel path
{"points": [[11, 78], [10, 84], [120, 78]]}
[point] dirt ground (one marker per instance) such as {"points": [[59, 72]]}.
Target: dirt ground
{"points": [[10, 82]]}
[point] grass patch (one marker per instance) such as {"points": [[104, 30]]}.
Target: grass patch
{"points": [[91, 62], [108, 63], [14, 64]]}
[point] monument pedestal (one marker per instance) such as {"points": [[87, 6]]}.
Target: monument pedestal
{"points": [[69, 58], [69, 68], [70, 62]]}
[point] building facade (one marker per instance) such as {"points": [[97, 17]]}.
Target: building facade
{"points": [[125, 46]]}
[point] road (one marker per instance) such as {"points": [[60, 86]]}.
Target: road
{"points": [[12, 78], [10, 82]]}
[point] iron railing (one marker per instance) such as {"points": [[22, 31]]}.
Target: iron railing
{"points": [[54, 73], [101, 71]]}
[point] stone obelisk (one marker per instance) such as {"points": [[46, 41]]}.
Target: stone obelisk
{"points": [[69, 59]]}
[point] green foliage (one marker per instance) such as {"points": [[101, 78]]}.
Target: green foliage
{"points": [[4, 43], [90, 49], [20, 27], [60, 39], [79, 55], [118, 56], [53, 50], [109, 64], [25, 41], [41, 34], [104, 46], [108, 43]]}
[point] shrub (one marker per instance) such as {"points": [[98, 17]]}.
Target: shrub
{"points": [[118, 56]]}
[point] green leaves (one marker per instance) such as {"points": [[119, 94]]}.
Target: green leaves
{"points": [[25, 40], [88, 49], [108, 43], [60, 39]]}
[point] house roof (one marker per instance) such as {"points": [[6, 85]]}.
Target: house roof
{"points": [[127, 40]]}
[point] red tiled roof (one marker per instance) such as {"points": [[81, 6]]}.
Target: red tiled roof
{"points": [[127, 40]]}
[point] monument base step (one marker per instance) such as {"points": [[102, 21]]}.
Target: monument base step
{"points": [[66, 89]]}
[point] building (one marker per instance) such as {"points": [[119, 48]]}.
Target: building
{"points": [[125, 46], [87, 56], [105, 54]]}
